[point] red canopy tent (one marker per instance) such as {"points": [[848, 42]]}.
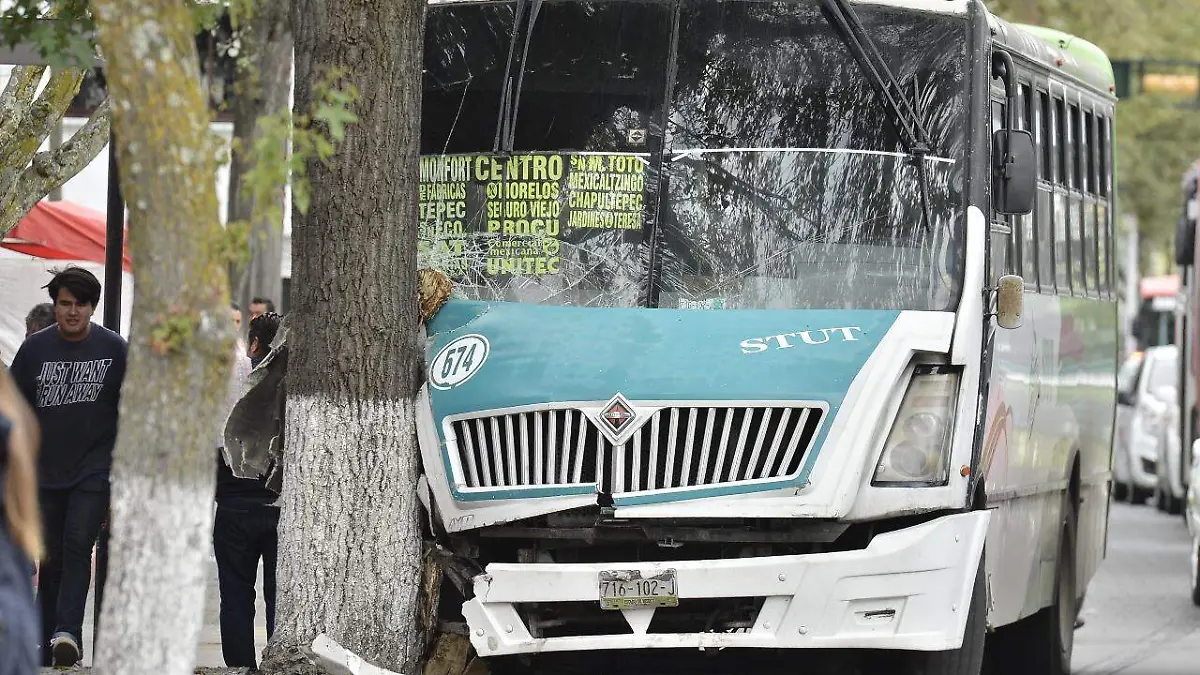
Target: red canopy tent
{"points": [[63, 231]]}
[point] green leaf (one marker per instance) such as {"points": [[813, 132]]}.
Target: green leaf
{"points": [[336, 119]]}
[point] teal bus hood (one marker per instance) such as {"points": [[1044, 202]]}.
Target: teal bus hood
{"points": [[532, 354]]}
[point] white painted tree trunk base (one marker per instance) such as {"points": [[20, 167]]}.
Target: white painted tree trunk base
{"points": [[351, 568], [337, 660]]}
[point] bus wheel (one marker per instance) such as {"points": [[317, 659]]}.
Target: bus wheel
{"points": [[968, 659], [1041, 644]]}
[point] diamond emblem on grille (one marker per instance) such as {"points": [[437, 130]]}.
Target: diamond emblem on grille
{"points": [[617, 414]]}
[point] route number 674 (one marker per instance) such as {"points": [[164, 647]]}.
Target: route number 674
{"points": [[458, 361]]}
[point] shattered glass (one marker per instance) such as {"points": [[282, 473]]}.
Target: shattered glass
{"points": [[710, 156]]}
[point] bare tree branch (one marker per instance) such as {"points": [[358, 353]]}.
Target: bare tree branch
{"points": [[15, 100], [45, 112], [51, 169]]}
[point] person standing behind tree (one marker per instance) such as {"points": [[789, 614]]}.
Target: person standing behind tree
{"points": [[260, 306], [72, 379], [245, 529], [41, 316]]}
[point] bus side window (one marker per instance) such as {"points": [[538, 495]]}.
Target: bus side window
{"points": [[1103, 220], [1092, 250], [1001, 229], [1062, 253], [1075, 149], [1028, 253], [1045, 226]]}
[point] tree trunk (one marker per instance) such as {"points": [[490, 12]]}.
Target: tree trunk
{"points": [[261, 89], [178, 372], [350, 537]]}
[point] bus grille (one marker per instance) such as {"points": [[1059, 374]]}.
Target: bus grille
{"points": [[676, 447]]}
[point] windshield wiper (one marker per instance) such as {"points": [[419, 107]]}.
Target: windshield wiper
{"points": [[843, 18], [510, 94], [908, 123]]}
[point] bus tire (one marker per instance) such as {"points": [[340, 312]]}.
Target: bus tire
{"points": [[968, 659], [1041, 644]]}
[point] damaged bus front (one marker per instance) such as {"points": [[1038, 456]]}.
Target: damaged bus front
{"points": [[710, 374]]}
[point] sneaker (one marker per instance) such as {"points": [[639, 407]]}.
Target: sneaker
{"points": [[65, 650]]}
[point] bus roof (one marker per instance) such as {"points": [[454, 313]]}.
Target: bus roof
{"points": [[1069, 54], [1153, 287]]}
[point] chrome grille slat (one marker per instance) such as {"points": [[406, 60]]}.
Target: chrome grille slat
{"points": [[797, 436], [763, 425], [740, 449], [676, 447], [636, 478], [723, 446], [498, 452], [688, 442], [539, 452], [510, 450], [472, 469], [554, 446], [566, 449], [579, 451], [526, 464], [483, 454], [654, 435], [706, 445], [672, 441], [780, 429]]}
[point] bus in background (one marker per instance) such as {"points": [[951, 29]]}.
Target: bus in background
{"points": [[1154, 323], [781, 330], [1187, 321]]}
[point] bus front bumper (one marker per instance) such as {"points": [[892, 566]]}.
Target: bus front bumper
{"points": [[908, 589]]}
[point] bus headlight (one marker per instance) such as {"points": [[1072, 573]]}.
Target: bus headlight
{"points": [[917, 448]]}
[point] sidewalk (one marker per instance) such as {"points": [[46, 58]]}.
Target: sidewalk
{"points": [[208, 652]]}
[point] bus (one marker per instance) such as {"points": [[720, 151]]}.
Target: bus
{"points": [[780, 330], [1154, 323], [1186, 321]]}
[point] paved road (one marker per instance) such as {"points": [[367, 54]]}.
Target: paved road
{"points": [[1139, 616]]}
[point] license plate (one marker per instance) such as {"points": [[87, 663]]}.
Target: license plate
{"points": [[628, 589]]}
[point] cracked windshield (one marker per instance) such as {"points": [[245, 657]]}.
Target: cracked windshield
{"points": [[701, 156]]}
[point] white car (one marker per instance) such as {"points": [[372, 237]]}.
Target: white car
{"points": [[1169, 493], [1145, 389]]}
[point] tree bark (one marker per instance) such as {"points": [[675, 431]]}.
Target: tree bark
{"points": [[350, 537], [180, 353], [261, 89], [27, 175]]}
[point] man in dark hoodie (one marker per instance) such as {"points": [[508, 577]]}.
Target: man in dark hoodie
{"points": [[246, 526], [71, 376]]}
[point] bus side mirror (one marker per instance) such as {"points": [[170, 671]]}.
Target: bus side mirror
{"points": [[1010, 301], [1014, 176]]}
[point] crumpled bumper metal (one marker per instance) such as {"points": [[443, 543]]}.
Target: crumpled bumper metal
{"points": [[909, 589]]}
